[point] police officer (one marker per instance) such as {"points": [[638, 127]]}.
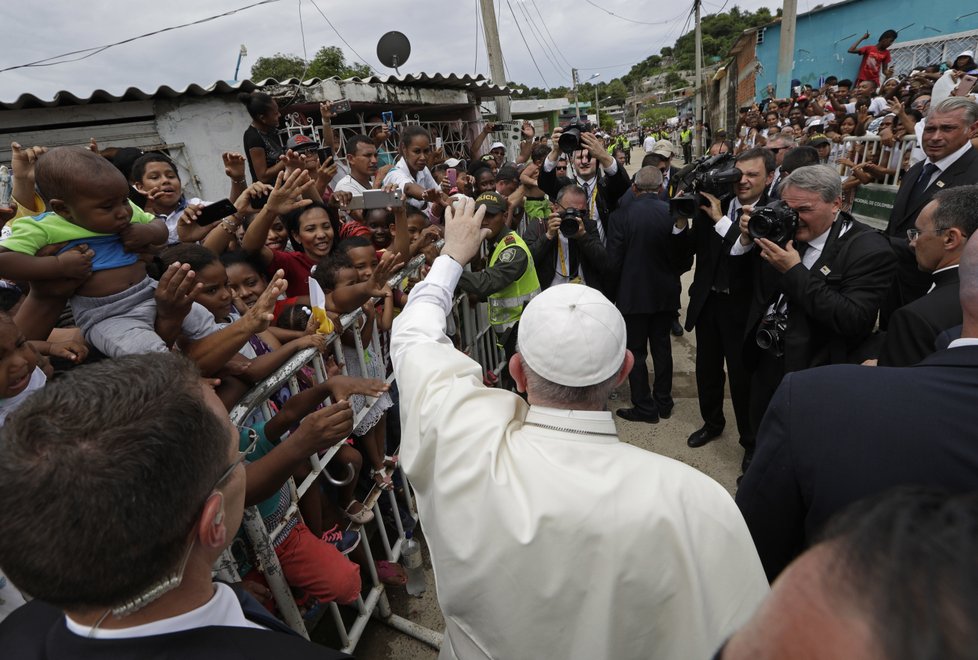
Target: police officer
{"points": [[510, 279]]}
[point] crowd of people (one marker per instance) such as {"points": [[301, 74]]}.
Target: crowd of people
{"points": [[135, 317]]}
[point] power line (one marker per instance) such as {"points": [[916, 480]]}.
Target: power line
{"points": [[528, 50], [95, 50], [552, 40], [538, 36], [611, 13], [347, 43]]}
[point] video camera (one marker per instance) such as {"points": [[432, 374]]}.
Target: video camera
{"points": [[716, 175], [777, 222], [570, 137]]}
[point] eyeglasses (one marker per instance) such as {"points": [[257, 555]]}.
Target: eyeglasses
{"points": [[775, 150], [242, 455], [561, 167], [913, 233]]}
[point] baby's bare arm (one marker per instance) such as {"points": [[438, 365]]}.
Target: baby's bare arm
{"points": [[73, 264]]}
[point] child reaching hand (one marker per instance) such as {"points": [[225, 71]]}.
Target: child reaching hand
{"points": [[100, 233]]}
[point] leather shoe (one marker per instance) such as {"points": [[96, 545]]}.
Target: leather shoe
{"points": [[677, 330], [633, 415], [665, 414], [702, 437]]}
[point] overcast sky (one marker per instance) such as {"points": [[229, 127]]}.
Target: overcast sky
{"points": [[442, 35]]}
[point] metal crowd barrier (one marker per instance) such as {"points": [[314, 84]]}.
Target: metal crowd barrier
{"points": [[473, 335], [869, 148]]}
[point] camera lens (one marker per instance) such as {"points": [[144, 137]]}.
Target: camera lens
{"points": [[570, 140], [765, 338]]}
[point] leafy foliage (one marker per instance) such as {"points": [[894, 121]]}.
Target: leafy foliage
{"points": [[329, 61]]}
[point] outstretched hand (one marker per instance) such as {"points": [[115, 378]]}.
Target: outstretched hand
{"points": [[261, 314], [464, 232]]}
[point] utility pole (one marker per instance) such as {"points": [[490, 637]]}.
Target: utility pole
{"points": [[577, 101], [786, 51], [698, 104], [495, 54]]}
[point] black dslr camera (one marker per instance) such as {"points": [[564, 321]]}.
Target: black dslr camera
{"points": [[568, 221], [716, 175], [777, 222], [570, 137], [770, 333]]}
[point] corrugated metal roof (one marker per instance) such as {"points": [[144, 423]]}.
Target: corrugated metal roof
{"points": [[478, 85]]}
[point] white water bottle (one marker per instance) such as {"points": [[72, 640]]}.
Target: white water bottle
{"points": [[411, 560]]}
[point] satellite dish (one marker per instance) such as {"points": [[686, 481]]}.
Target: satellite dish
{"points": [[393, 50]]}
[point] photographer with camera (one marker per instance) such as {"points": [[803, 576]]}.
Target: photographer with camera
{"points": [[566, 246], [719, 296], [586, 153], [819, 279]]}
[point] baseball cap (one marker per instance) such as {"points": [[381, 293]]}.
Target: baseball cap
{"points": [[497, 145], [493, 201], [572, 335], [301, 142], [664, 148], [819, 140], [455, 162]]}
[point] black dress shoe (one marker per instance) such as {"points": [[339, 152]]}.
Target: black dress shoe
{"points": [[633, 415], [665, 413], [677, 330], [702, 437]]}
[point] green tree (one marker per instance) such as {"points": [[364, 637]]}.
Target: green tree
{"points": [[656, 115], [617, 91], [328, 62]]}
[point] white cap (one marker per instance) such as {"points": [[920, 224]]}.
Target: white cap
{"points": [[497, 145], [664, 148], [454, 162], [572, 335]]}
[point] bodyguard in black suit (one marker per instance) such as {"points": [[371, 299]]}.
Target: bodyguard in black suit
{"points": [[604, 187], [645, 269], [820, 300], [840, 433], [719, 298], [951, 161]]}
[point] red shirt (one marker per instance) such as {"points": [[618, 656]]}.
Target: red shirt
{"points": [[297, 267], [874, 62]]}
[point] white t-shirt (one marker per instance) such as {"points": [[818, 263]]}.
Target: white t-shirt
{"points": [[350, 185], [649, 144], [400, 174]]}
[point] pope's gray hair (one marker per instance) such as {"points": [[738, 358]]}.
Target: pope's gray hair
{"points": [[552, 394]]}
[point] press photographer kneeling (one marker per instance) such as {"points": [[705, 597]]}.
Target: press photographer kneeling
{"points": [[819, 279]]}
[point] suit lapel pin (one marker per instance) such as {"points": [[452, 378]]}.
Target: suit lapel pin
{"points": [[939, 184], [825, 270]]}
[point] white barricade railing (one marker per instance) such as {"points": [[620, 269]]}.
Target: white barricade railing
{"points": [[475, 337], [871, 149]]}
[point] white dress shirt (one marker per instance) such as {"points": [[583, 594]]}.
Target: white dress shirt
{"points": [[223, 609], [947, 161], [549, 537]]}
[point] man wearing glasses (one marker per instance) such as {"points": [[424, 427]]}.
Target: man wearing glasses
{"points": [[122, 484], [779, 146], [951, 161], [937, 239]]}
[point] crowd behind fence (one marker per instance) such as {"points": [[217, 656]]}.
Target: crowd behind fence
{"points": [[470, 329]]}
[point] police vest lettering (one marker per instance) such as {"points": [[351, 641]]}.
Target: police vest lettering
{"points": [[506, 305]]}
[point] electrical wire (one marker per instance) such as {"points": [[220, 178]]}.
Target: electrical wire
{"points": [[552, 40], [345, 42], [528, 50], [538, 36], [611, 13], [305, 58], [95, 50]]}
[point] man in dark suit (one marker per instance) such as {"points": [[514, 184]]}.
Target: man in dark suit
{"points": [[604, 186], [560, 258], [136, 473], [643, 265], [815, 298], [937, 239], [951, 161], [838, 434], [719, 298]]}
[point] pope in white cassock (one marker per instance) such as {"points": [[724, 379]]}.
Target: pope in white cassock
{"points": [[550, 538]]}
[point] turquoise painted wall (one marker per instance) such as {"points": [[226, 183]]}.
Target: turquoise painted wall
{"points": [[823, 37]]}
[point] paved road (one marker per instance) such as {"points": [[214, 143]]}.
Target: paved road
{"points": [[719, 459]]}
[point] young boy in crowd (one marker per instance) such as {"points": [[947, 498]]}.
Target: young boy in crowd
{"points": [[876, 59], [100, 233]]}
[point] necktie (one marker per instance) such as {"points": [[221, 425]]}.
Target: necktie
{"points": [[923, 182]]}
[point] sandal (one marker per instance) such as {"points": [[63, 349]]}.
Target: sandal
{"points": [[361, 516], [390, 573], [385, 482]]}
